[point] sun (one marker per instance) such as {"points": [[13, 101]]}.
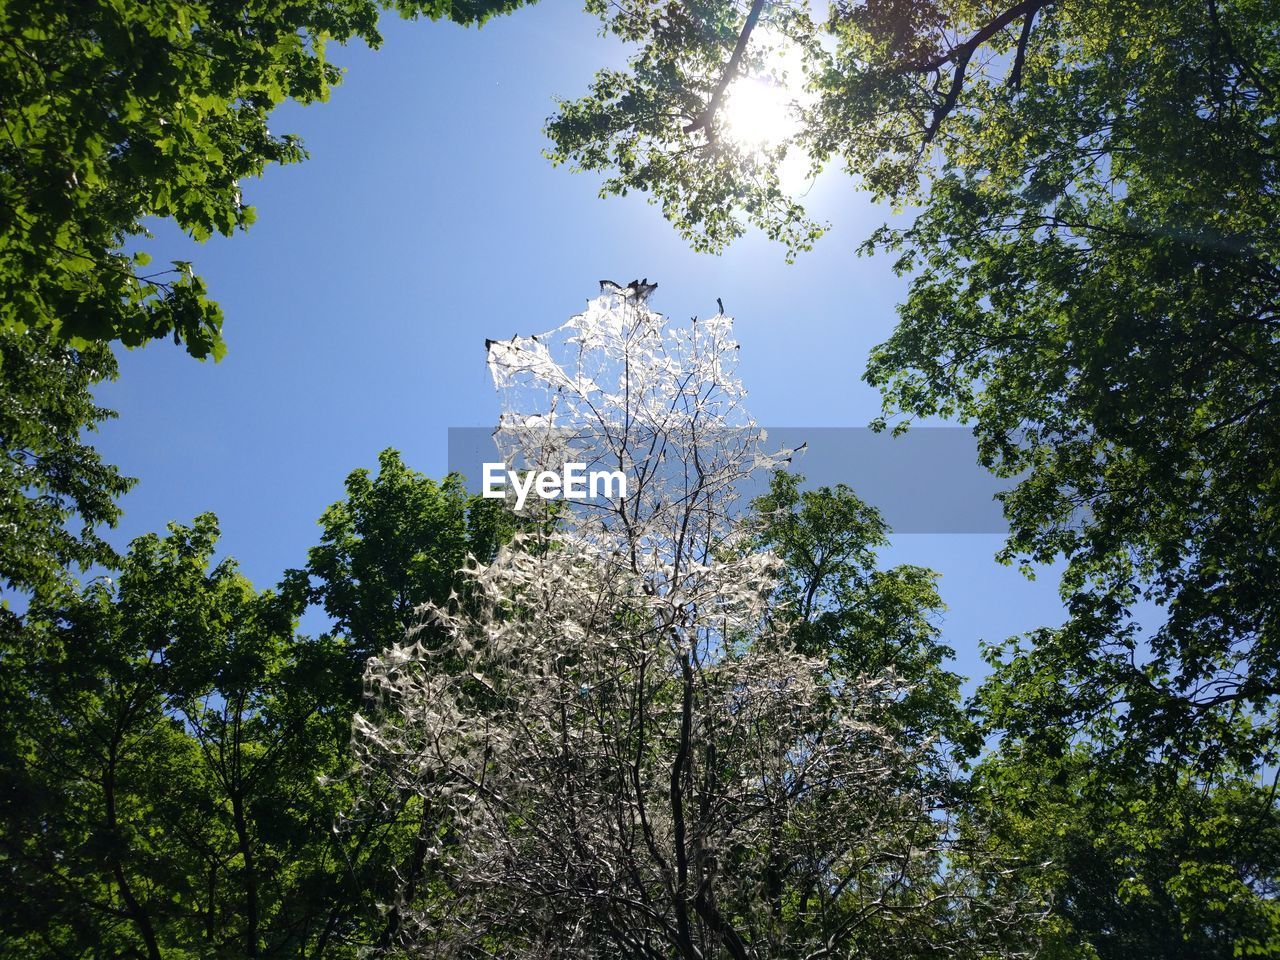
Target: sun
{"points": [[762, 111], [758, 113], [762, 108]]}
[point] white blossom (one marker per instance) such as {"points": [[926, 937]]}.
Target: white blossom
{"points": [[623, 754]]}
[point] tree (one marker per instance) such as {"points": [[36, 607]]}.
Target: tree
{"points": [[865, 621], [395, 543], [50, 479], [632, 759], [176, 760], [1152, 857], [1094, 280], [166, 734], [119, 112], [657, 126]]}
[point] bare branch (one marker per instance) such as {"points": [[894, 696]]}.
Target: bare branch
{"points": [[618, 711]]}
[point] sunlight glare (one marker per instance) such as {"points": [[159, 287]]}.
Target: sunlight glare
{"points": [[758, 112], [762, 110]]}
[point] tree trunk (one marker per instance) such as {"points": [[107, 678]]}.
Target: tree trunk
{"points": [[137, 913]]}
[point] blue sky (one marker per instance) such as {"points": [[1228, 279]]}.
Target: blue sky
{"points": [[427, 220]]}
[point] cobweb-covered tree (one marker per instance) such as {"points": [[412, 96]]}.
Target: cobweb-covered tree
{"points": [[635, 760]]}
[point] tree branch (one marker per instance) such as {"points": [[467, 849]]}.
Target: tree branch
{"points": [[1020, 58], [1245, 67], [948, 104], [686, 946], [704, 119], [1028, 8]]}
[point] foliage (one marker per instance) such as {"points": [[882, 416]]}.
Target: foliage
{"points": [[394, 543], [176, 753], [632, 758], [655, 127], [1138, 860], [1105, 317], [49, 477], [866, 621], [1167, 855], [662, 729], [166, 732], [118, 112], [1094, 279]]}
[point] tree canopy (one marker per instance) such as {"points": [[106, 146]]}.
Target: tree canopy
{"points": [[673, 727], [1093, 269], [117, 113], [55, 489], [176, 762], [395, 542]]}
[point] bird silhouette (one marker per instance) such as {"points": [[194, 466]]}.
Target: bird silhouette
{"points": [[635, 290], [643, 288], [720, 304]]}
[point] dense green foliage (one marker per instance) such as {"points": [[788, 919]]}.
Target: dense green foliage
{"points": [[394, 543], [175, 755], [1149, 856], [1094, 280], [1094, 274], [1095, 284], [117, 112], [870, 621], [51, 480], [1136, 860], [161, 794]]}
